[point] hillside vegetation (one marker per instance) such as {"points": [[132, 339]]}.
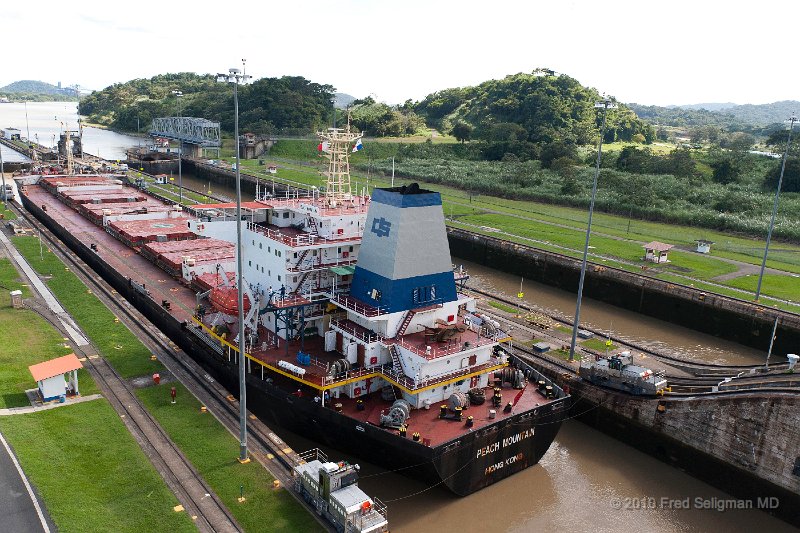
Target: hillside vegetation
{"points": [[288, 105], [540, 107], [37, 91]]}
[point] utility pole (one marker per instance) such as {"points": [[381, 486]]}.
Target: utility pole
{"points": [[791, 122], [178, 95], [2, 172], [606, 104], [235, 77]]}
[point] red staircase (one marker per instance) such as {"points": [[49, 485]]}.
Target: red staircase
{"points": [[406, 321]]}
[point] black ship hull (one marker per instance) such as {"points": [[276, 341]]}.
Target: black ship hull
{"points": [[464, 465]]}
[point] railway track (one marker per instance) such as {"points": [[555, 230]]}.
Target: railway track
{"points": [[727, 379], [695, 367], [263, 443]]}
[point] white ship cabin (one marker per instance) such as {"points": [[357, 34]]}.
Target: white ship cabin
{"points": [[293, 247], [403, 311]]}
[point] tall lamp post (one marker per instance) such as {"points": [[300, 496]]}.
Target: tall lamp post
{"points": [[606, 104], [791, 122], [178, 95], [3, 174], [235, 77]]}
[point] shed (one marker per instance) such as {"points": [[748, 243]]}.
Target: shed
{"points": [[656, 252], [272, 169], [11, 134], [49, 375], [704, 246]]}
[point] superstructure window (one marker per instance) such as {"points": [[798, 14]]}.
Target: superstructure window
{"points": [[424, 294]]}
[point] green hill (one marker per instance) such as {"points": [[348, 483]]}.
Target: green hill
{"points": [[540, 107], [32, 90]]}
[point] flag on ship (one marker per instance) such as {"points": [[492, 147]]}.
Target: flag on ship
{"points": [[358, 146], [519, 395], [323, 146]]}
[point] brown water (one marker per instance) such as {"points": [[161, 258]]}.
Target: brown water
{"points": [[577, 486], [585, 474], [618, 322]]}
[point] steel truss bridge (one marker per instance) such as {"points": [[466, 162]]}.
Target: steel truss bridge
{"points": [[188, 130]]}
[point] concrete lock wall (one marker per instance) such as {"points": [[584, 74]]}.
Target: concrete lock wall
{"points": [[736, 320]]}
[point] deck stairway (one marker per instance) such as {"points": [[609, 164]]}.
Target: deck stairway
{"points": [[396, 363], [406, 321], [300, 259]]}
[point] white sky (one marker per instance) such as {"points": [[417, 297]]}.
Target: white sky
{"points": [[675, 52]]}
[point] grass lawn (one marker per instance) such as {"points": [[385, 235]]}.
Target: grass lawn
{"points": [[787, 286], [34, 340], [598, 345], [503, 307], [90, 472], [6, 214], [214, 451], [114, 341]]}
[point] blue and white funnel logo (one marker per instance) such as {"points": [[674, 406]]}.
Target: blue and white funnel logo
{"points": [[381, 227]]}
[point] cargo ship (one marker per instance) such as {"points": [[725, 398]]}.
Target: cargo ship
{"points": [[356, 334]]}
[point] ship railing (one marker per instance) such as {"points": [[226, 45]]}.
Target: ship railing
{"points": [[417, 383], [351, 304], [357, 332], [434, 352], [314, 454], [346, 376], [368, 520], [309, 266]]}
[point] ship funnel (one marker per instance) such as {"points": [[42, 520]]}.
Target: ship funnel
{"points": [[792, 360], [404, 260]]}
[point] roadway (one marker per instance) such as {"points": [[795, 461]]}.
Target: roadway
{"points": [[21, 510]]}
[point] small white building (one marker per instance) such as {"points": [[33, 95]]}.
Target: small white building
{"points": [[656, 252], [49, 376], [704, 246], [11, 134]]}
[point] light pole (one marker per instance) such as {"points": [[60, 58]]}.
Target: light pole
{"points": [[27, 126], [605, 104], [178, 95], [2, 172], [235, 77], [791, 122]]}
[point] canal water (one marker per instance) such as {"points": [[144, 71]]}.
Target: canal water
{"points": [[586, 481], [43, 122]]}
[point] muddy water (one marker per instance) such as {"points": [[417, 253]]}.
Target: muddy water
{"points": [[627, 325], [586, 481]]}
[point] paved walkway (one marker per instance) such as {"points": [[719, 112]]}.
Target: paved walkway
{"points": [[66, 321], [53, 405], [22, 511]]}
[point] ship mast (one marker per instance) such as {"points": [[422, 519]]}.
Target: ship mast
{"points": [[336, 144]]}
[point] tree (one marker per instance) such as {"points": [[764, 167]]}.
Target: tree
{"points": [[791, 176], [555, 150], [725, 171], [462, 131]]}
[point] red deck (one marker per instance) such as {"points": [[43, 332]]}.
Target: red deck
{"points": [[140, 232], [125, 260], [426, 422], [126, 194]]}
